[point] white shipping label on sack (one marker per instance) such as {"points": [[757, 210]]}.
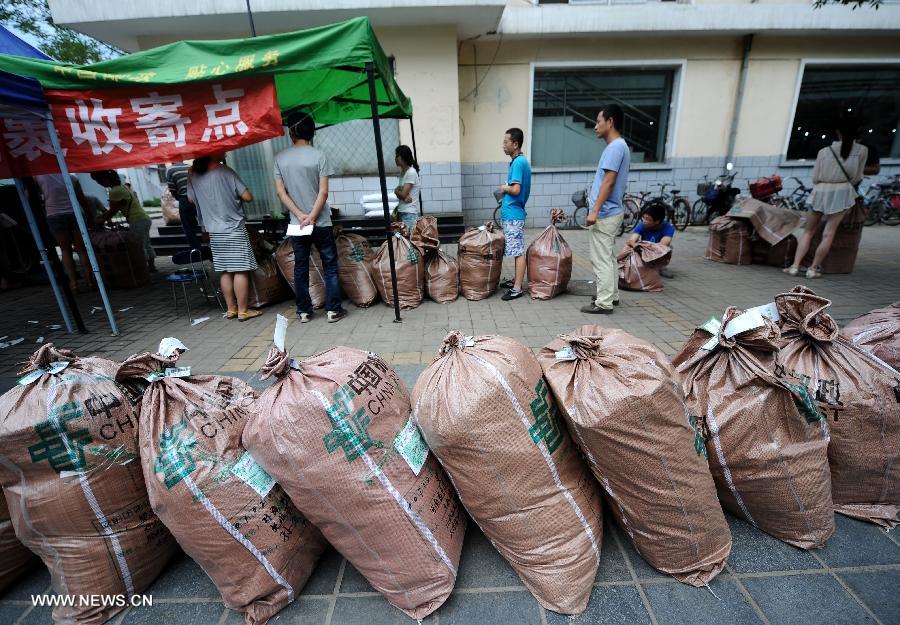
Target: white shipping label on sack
{"points": [[469, 341], [566, 353], [750, 320], [280, 331], [712, 326], [410, 444], [52, 369], [296, 230], [178, 372], [247, 470], [769, 311], [169, 346], [482, 227]]}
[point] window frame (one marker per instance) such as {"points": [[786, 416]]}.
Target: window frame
{"points": [[678, 65], [798, 83]]}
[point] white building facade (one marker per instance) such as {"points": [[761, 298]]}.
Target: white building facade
{"points": [[760, 83]]}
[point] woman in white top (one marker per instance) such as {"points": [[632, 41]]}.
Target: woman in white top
{"points": [[838, 171], [407, 190]]}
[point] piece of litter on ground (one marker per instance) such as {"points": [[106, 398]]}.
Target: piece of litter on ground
{"points": [[95, 309], [55, 326], [199, 321], [30, 321], [126, 309], [4, 337], [11, 343], [40, 339]]}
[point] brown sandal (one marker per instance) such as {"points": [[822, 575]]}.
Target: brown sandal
{"points": [[250, 314], [231, 314]]}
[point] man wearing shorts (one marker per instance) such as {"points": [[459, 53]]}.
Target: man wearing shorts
{"points": [[512, 212]]}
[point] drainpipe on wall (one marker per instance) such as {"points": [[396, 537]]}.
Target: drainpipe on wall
{"points": [[739, 98]]}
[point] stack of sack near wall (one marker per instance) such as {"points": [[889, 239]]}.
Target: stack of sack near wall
{"points": [[861, 396], [120, 256], [639, 266], [355, 268], [512, 462], [842, 256], [764, 437], [15, 559], [284, 258], [480, 258], [878, 332], [72, 477], [267, 286], [549, 261], [772, 242], [335, 430], [442, 278], [410, 269], [169, 204], [224, 510], [625, 409], [729, 241]]}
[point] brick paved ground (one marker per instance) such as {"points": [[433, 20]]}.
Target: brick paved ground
{"points": [[854, 579]]}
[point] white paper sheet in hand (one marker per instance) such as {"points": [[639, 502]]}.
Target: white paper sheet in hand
{"points": [[296, 230]]}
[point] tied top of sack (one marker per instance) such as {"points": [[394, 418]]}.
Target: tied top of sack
{"points": [[45, 356], [803, 312], [152, 366], [762, 338]]}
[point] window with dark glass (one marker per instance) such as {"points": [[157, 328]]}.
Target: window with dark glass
{"points": [[868, 94], [565, 106]]}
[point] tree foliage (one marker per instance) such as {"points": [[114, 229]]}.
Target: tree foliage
{"points": [[33, 17]]}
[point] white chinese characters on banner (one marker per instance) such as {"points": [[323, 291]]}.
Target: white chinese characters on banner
{"points": [[27, 137], [224, 117], [87, 121], [158, 116]]}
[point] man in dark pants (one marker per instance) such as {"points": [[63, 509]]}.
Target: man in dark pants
{"points": [[301, 181], [176, 179]]}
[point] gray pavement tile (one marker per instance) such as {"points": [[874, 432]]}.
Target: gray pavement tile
{"points": [[184, 578], [856, 543], [38, 616], [879, 591], [303, 611], [170, 613], [369, 611], [642, 569], [9, 613], [354, 581], [612, 563], [493, 608], [33, 582], [674, 604], [805, 599], [609, 605], [754, 551], [481, 566], [325, 574]]}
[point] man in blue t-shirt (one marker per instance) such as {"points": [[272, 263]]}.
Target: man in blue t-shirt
{"points": [[512, 212], [606, 212], [652, 227]]}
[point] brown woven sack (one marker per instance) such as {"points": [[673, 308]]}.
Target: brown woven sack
{"points": [[15, 559], [860, 396], [549, 263], [487, 414], [284, 258], [337, 433], [225, 511], [267, 286], [729, 241], [770, 223], [639, 266], [120, 255], [72, 478], [778, 255], [842, 256], [480, 258], [625, 410], [878, 332], [171, 216], [425, 235], [442, 278], [410, 268], [764, 438], [355, 268]]}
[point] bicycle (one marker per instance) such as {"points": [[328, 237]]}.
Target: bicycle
{"points": [[578, 218], [716, 198], [632, 203], [796, 201], [883, 202], [678, 210]]}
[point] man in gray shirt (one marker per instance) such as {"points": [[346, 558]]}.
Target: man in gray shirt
{"points": [[301, 181]]}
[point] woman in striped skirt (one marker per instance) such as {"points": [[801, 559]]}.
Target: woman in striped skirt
{"points": [[217, 192]]}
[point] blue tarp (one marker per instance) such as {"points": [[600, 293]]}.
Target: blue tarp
{"points": [[19, 92]]}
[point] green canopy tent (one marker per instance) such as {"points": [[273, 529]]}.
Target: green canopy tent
{"points": [[336, 73]]}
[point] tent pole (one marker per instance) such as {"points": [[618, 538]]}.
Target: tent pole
{"points": [[79, 217], [370, 72], [412, 130], [51, 274]]}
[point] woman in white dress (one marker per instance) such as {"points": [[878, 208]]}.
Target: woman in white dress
{"points": [[838, 171]]}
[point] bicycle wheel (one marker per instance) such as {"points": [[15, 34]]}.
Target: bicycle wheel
{"points": [[682, 214], [875, 211], [579, 217], [497, 212], [698, 213], [890, 210], [632, 214]]}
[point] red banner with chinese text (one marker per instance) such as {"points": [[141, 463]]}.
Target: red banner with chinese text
{"points": [[113, 128]]}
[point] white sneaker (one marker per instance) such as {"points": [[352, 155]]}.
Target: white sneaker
{"points": [[305, 317], [336, 315]]}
